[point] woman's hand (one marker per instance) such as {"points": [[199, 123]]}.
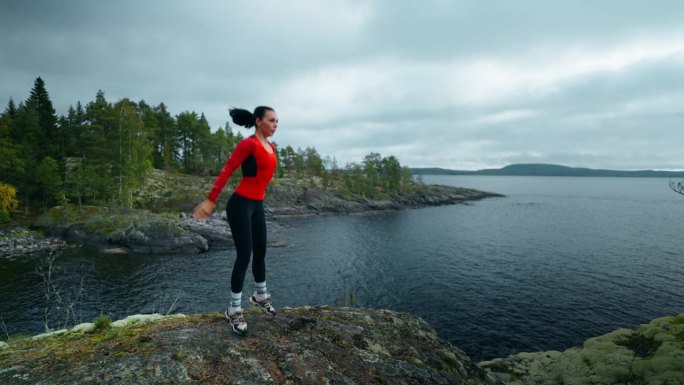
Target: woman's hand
{"points": [[204, 209]]}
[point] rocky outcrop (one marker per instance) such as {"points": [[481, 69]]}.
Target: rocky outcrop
{"points": [[289, 197], [319, 345], [122, 231], [168, 191], [130, 230], [143, 231], [650, 354], [214, 229], [20, 241]]}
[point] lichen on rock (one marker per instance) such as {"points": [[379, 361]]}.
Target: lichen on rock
{"points": [[650, 354], [315, 345], [125, 230]]}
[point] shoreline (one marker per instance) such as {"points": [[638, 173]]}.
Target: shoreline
{"points": [[141, 231]]}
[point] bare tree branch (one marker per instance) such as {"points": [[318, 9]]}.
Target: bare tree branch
{"points": [[59, 310], [172, 305], [677, 187], [44, 270]]}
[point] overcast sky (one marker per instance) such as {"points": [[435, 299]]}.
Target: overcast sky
{"points": [[454, 84]]}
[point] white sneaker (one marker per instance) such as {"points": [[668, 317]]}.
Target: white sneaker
{"points": [[237, 321], [265, 304]]}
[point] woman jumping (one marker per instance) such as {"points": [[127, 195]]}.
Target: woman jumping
{"points": [[245, 208]]}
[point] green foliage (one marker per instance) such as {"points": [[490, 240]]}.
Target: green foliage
{"points": [[313, 162], [102, 153], [102, 322], [165, 140], [11, 159], [39, 100], [11, 109], [48, 180], [134, 152], [8, 201], [194, 134]]}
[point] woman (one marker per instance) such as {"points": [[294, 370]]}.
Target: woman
{"points": [[245, 208]]}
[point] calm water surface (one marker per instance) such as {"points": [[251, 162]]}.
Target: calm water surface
{"points": [[556, 261]]}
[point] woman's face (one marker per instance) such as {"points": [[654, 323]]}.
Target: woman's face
{"points": [[268, 124]]}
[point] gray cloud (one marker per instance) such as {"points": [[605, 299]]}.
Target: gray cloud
{"points": [[438, 83]]}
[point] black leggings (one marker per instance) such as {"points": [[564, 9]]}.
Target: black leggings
{"points": [[248, 225]]}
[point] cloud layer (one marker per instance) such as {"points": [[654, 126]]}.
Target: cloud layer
{"points": [[463, 85]]}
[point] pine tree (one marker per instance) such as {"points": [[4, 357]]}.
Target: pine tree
{"points": [[205, 145], [372, 164], [47, 120], [26, 136], [11, 161], [298, 160], [186, 125], [150, 124], [391, 174], [98, 149], [165, 141], [134, 151], [219, 143], [11, 109], [48, 182], [193, 134]]}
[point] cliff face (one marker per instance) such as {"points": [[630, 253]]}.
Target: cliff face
{"points": [[298, 346]]}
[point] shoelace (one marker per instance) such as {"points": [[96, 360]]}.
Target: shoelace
{"points": [[237, 319], [265, 303]]}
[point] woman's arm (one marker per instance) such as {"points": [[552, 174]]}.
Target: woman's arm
{"points": [[203, 209], [241, 152]]}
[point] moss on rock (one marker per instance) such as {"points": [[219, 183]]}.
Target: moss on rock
{"points": [[127, 230], [298, 346], [649, 354]]}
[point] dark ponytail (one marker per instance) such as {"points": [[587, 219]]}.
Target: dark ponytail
{"points": [[247, 119]]}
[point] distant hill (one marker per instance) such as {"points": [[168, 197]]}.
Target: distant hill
{"points": [[540, 169]]}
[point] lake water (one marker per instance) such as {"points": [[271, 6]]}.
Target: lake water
{"points": [[556, 261]]}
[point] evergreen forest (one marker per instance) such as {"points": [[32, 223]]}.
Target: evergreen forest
{"points": [[100, 153]]}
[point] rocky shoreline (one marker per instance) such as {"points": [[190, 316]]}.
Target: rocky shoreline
{"points": [[141, 231], [288, 199], [19, 241]]}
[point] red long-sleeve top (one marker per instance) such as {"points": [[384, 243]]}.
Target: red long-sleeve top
{"points": [[258, 166]]}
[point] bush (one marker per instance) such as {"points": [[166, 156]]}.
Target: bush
{"points": [[8, 201]]}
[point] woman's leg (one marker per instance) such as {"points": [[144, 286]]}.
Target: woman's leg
{"points": [[261, 298], [239, 219], [259, 243], [237, 211]]}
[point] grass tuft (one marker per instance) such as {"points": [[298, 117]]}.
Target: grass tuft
{"points": [[102, 322]]}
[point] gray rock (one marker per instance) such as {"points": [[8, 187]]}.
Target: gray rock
{"points": [[22, 241], [138, 231], [214, 229], [315, 345]]}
